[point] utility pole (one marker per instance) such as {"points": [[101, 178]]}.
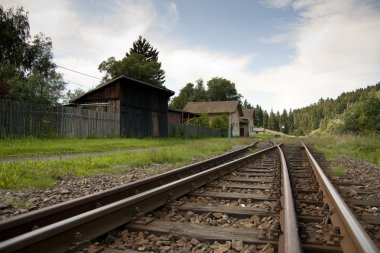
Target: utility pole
{"points": [[229, 126]]}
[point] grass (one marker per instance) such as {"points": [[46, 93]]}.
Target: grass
{"points": [[334, 147], [59, 146], [337, 171], [43, 174]]}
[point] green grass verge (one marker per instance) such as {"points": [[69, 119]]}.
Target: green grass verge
{"points": [[366, 148], [59, 146], [40, 175]]}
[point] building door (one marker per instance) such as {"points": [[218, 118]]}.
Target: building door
{"points": [[242, 132], [155, 129]]}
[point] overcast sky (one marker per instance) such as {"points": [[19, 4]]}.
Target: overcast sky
{"points": [[279, 53]]}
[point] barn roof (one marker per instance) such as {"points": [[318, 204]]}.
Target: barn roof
{"points": [[126, 78], [213, 107]]}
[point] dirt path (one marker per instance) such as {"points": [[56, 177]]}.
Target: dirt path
{"points": [[68, 156]]}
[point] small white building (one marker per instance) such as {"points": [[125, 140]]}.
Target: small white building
{"points": [[217, 108]]}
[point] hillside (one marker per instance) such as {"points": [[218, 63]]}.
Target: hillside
{"points": [[353, 111]]}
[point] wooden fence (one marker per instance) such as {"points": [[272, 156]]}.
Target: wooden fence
{"points": [[22, 119], [193, 131]]}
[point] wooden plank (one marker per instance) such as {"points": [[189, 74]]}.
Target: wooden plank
{"points": [[248, 180], [258, 170], [236, 211], [201, 232], [247, 174], [363, 202], [240, 186], [233, 195]]}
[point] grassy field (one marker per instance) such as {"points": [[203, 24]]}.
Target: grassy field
{"points": [[40, 175], [366, 148]]}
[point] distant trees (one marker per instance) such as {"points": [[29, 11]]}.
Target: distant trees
{"points": [[27, 70], [218, 89], [141, 63]]}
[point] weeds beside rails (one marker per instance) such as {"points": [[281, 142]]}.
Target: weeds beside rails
{"points": [[43, 174], [334, 147]]}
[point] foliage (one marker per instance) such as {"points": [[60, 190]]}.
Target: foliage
{"points": [[364, 116], [247, 105], [359, 108], [72, 94], [27, 71], [220, 122], [21, 175], [141, 63], [221, 89], [202, 120], [185, 95]]}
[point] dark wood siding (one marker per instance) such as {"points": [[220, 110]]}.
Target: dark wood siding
{"points": [[174, 117], [143, 109]]}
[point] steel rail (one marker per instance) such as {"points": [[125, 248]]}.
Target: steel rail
{"points": [[355, 239], [42, 217], [79, 229], [291, 241]]}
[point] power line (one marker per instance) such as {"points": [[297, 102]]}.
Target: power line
{"points": [[78, 84], [79, 72]]}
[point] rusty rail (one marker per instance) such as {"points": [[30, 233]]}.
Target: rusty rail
{"points": [[355, 239], [79, 229], [291, 242]]}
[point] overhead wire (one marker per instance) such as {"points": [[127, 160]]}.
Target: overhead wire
{"points": [[78, 72]]}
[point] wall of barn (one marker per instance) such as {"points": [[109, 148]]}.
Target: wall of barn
{"points": [[143, 111]]}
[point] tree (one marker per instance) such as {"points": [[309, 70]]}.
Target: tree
{"points": [[265, 120], [284, 122], [202, 120], [364, 116], [247, 105], [259, 116], [72, 94], [200, 93], [185, 95], [27, 70], [221, 122], [221, 89], [141, 63], [272, 120]]}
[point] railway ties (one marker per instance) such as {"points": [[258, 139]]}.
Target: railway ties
{"points": [[239, 211]]}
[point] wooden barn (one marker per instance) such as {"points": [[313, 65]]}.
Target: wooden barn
{"points": [[143, 107]]}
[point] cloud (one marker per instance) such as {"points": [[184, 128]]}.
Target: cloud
{"points": [[336, 45]]}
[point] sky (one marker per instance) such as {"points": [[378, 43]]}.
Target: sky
{"points": [[280, 54]]}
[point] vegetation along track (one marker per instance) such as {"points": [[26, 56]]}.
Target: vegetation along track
{"points": [[244, 205]]}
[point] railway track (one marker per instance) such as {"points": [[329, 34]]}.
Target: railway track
{"points": [[245, 205]]}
